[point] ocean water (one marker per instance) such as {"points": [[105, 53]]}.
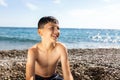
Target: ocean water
{"points": [[23, 38]]}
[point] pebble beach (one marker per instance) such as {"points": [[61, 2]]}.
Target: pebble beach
{"points": [[85, 64]]}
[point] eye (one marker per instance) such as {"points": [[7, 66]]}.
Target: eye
{"points": [[51, 28], [58, 28]]}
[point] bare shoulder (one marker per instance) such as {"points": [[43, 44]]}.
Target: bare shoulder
{"points": [[33, 50], [61, 47]]}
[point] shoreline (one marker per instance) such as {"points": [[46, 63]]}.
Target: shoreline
{"points": [[89, 64]]}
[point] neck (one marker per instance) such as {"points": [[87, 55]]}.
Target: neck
{"points": [[47, 45]]}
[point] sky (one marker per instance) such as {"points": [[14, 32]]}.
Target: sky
{"points": [[103, 14]]}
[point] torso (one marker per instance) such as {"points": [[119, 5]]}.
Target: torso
{"points": [[46, 62]]}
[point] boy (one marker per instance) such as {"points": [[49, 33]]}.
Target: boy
{"points": [[43, 57]]}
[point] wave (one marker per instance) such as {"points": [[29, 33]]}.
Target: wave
{"points": [[16, 39], [106, 38]]}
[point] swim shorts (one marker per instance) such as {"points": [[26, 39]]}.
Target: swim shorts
{"points": [[53, 77]]}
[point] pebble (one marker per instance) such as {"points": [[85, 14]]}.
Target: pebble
{"points": [[85, 64]]}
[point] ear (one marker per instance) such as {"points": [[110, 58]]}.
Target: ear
{"points": [[40, 32]]}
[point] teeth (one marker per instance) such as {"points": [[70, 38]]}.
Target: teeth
{"points": [[55, 36]]}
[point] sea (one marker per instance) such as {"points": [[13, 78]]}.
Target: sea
{"points": [[24, 38]]}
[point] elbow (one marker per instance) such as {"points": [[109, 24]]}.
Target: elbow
{"points": [[71, 78], [68, 77], [30, 78]]}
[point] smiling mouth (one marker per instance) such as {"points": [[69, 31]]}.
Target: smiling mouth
{"points": [[55, 36]]}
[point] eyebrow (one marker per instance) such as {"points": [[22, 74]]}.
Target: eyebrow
{"points": [[54, 26]]}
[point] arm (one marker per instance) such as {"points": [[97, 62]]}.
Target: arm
{"points": [[30, 65], [65, 64]]}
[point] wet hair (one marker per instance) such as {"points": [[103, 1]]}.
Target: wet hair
{"points": [[46, 19]]}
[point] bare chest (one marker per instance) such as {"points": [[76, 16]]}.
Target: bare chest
{"points": [[48, 59]]}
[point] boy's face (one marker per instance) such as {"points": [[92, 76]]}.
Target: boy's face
{"points": [[50, 32]]}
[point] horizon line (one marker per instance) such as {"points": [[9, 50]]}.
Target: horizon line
{"points": [[60, 27]]}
